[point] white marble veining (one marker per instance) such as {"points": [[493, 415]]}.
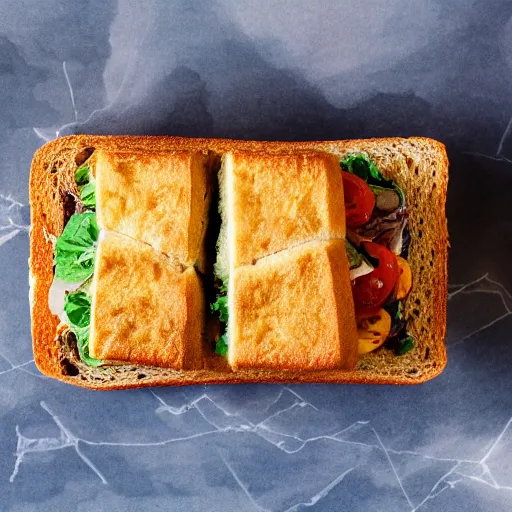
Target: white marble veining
{"points": [[10, 221]]}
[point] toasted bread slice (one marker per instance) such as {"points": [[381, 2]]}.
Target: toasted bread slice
{"points": [[278, 201], [419, 166], [145, 309], [161, 198], [293, 311]]}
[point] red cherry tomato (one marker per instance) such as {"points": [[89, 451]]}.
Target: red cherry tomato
{"points": [[371, 290], [359, 200]]}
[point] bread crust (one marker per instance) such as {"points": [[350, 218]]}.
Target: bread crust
{"points": [[419, 165]]}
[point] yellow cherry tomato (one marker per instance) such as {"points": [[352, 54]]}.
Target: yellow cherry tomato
{"points": [[372, 330], [405, 278]]}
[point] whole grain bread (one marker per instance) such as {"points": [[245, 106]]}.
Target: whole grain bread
{"points": [[418, 165]]}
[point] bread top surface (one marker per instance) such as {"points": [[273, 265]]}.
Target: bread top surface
{"points": [[145, 309], [278, 201], [419, 165], [161, 198], [293, 310]]}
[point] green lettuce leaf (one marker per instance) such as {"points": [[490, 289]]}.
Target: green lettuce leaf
{"points": [[82, 341], [361, 165], [222, 345], [404, 345], [77, 306], [221, 306], [76, 247], [88, 195], [86, 186], [82, 175], [353, 256]]}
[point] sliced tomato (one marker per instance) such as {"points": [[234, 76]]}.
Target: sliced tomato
{"points": [[371, 290], [359, 200]]}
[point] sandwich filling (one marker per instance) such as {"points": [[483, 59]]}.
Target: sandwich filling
{"points": [[378, 241], [221, 267], [75, 253]]}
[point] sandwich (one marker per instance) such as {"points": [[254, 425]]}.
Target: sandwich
{"points": [[318, 267]]}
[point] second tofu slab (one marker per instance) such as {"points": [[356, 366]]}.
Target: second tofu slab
{"points": [[161, 198], [274, 202], [145, 308]]}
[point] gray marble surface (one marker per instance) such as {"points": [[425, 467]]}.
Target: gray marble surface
{"points": [[286, 70]]}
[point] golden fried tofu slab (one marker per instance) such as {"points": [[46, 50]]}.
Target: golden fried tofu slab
{"points": [[145, 308], [272, 202], [293, 311], [161, 198]]}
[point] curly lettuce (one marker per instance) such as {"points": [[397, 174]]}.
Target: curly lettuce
{"points": [[86, 186], [361, 165], [77, 306], [220, 307], [75, 249]]}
